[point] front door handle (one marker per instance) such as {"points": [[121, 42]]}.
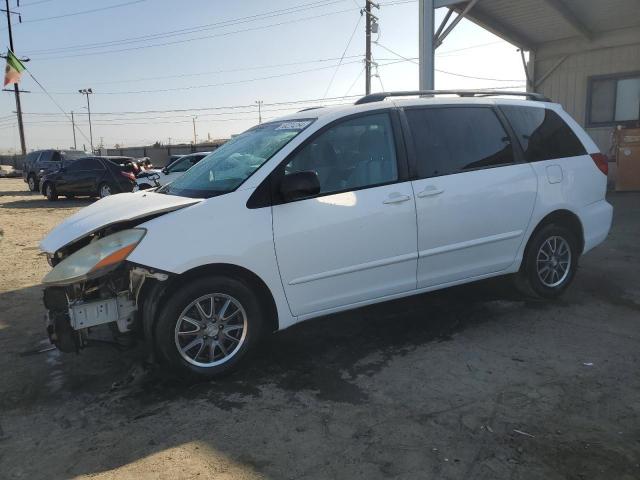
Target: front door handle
{"points": [[430, 191], [396, 198]]}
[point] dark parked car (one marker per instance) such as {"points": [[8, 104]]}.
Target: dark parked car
{"points": [[41, 162], [92, 176]]}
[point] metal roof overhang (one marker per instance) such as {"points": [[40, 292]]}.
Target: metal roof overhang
{"points": [[530, 23]]}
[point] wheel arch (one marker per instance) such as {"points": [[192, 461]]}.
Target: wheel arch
{"points": [[565, 218], [162, 290]]}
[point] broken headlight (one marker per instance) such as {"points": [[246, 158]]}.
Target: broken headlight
{"points": [[95, 259]]}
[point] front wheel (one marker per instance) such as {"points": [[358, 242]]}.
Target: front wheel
{"points": [[50, 192], [209, 326], [32, 184], [104, 190], [550, 262]]}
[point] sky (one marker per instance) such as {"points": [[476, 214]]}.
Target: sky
{"points": [[155, 65]]}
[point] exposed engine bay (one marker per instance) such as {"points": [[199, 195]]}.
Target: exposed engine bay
{"points": [[111, 299]]}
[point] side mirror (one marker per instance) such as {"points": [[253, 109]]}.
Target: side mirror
{"points": [[165, 170], [299, 185]]}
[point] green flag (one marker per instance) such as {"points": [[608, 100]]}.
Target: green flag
{"points": [[13, 70]]}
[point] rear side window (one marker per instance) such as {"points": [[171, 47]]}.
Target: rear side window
{"points": [[542, 134], [454, 140], [86, 164]]}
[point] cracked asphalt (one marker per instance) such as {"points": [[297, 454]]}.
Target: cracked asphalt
{"points": [[473, 382]]}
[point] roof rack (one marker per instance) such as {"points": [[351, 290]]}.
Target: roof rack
{"points": [[377, 97]]}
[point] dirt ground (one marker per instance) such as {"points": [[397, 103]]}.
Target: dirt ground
{"points": [[469, 383]]}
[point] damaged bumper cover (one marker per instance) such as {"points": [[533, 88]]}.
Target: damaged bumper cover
{"points": [[73, 310]]}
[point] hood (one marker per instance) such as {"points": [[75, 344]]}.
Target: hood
{"points": [[111, 210]]}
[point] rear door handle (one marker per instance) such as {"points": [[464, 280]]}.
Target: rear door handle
{"points": [[397, 198], [430, 191]]}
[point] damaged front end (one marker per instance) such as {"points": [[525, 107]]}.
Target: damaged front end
{"points": [[95, 286]]}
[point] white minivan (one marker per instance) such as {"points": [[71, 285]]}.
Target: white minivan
{"points": [[327, 210]]}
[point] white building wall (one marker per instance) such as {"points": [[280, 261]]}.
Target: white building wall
{"points": [[610, 53]]}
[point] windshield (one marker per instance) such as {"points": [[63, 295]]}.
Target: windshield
{"points": [[230, 165]]}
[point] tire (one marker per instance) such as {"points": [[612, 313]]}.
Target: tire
{"points": [[104, 190], [547, 273], [239, 335], [32, 183], [50, 192]]}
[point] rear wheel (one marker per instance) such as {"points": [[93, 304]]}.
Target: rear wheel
{"points": [[50, 192], [550, 262], [209, 326], [32, 183], [104, 190]]}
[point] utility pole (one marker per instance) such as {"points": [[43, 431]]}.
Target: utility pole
{"points": [[367, 56], [195, 137], [87, 92], [73, 124], [370, 26], [259, 102], [16, 89]]}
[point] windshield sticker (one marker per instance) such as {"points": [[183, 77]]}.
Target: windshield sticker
{"points": [[299, 125]]}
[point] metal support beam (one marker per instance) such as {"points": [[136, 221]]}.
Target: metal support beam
{"points": [[443, 24], [455, 22], [526, 71], [446, 3], [550, 71], [426, 29], [497, 28], [561, 8]]}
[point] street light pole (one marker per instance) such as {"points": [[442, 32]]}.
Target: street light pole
{"points": [[87, 92], [195, 137]]}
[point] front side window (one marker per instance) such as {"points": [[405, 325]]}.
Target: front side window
{"points": [[353, 154], [235, 161], [45, 156], [614, 99], [542, 134], [454, 140]]}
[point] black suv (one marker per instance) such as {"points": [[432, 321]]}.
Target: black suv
{"points": [[90, 176], [39, 163]]}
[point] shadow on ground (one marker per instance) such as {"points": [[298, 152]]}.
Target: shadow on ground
{"points": [[44, 203]]}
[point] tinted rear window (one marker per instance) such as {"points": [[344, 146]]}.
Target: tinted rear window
{"points": [[453, 140], [542, 134]]}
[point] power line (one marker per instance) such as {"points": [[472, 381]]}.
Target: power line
{"points": [[199, 109], [195, 29], [177, 42], [343, 54], [83, 12], [455, 74], [212, 72], [219, 84]]}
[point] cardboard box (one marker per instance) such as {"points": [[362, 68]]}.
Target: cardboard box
{"points": [[628, 167], [626, 136]]}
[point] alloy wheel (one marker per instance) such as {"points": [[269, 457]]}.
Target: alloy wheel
{"points": [[553, 261], [211, 330], [32, 183]]}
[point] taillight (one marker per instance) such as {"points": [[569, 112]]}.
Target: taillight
{"points": [[601, 161], [128, 175]]}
